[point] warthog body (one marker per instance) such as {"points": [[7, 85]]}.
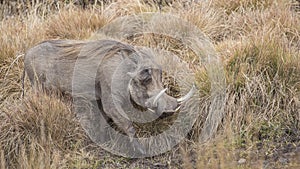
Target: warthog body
{"points": [[124, 76]]}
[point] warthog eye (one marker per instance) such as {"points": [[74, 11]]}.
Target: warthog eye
{"points": [[146, 71], [146, 81], [146, 77]]}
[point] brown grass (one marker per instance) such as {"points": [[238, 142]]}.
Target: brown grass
{"points": [[74, 23], [37, 129], [258, 41]]}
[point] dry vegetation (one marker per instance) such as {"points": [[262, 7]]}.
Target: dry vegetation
{"points": [[258, 40]]}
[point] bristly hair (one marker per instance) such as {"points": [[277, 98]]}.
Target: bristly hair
{"points": [[75, 49], [69, 51]]}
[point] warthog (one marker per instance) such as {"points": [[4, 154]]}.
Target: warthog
{"points": [[135, 76]]}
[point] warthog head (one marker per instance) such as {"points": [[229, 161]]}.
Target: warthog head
{"points": [[147, 91]]}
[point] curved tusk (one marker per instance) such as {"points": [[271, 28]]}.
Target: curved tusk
{"points": [[188, 95], [151, 110], [177, 108], [158, 96]]}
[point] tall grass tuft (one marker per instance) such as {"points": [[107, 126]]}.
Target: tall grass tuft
{"points": [[37, 129]]}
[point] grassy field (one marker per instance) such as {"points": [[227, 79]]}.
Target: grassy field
{"points": [[258, 41]]}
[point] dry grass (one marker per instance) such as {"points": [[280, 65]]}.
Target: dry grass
{"points": [[259, 42], [74, 23]]}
